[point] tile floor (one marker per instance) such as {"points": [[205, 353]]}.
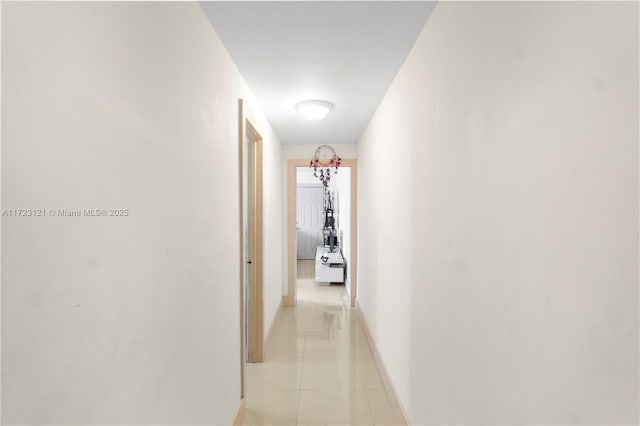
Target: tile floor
{"points": [[318, 368]]}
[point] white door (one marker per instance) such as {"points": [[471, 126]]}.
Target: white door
{"points": [[309, 219]]}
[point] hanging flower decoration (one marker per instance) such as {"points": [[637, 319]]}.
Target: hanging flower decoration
{"points": [[323, 161]]}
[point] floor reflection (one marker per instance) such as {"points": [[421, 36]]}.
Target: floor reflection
{"points": [[318, 368]]}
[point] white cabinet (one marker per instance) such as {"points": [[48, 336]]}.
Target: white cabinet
{"points": [[329, 266]]}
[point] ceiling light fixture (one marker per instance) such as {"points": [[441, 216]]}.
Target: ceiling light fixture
{"points": [[314, 109]]}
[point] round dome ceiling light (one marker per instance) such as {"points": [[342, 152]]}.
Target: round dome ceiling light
{"points": [[314, 109]]}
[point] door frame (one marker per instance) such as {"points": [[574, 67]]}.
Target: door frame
{"points": [[255, 313], [290, 298]]}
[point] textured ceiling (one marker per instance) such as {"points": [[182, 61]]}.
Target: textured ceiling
{"points": [[344, 52]]}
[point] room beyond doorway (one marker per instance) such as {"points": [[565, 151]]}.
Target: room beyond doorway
{"points": [[348, 168]]}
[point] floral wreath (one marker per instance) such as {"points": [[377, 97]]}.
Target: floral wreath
{"points": [[324, 159]]}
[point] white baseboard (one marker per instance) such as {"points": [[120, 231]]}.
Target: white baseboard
{"points": [[238, 417], [382, 370]]}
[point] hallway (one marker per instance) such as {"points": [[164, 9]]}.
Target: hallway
{"points": [[493, 149], [318, 367]]}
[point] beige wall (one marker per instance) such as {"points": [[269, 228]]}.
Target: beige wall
{"points": [[498, 216], [273, 226], [296, 152], [123, 320]]}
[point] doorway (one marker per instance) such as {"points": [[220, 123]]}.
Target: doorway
{"points": [[251, 237], [348, 168]]}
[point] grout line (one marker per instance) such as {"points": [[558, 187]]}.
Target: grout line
{"points": [[366, 396]]}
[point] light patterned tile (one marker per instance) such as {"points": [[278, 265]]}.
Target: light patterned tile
{"points": [[330, 375], [271, 408], [346, 407], [267, 376]]}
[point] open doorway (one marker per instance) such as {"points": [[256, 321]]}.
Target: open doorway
{"points": [[307, 220], [251, 236]]}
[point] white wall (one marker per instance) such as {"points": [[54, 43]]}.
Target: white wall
{"points": [[123, 320], [1, 133], [273, 213], [498, 215], [296, 152]]}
